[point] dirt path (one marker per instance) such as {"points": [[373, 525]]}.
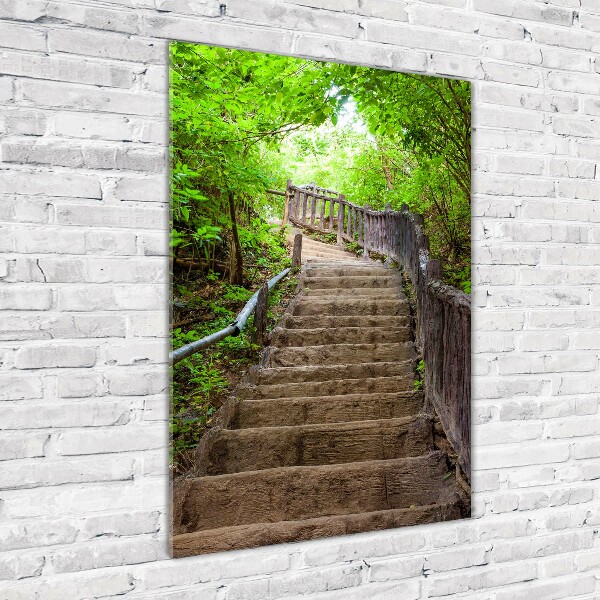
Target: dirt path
{"points": [[325, 437]]}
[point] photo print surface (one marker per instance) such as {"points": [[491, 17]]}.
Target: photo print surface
{"points": [[321, 255]]}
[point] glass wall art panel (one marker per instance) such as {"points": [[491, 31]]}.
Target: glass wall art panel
{"points": [[321, 311]]}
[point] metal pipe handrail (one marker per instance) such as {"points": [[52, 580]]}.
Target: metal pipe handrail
{"points": [[234, 329]]}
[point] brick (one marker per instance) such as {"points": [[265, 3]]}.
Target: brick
{"points": [[153, 244], [19, 37], [80, 326], [116, 525], [23, 209], [21, 566], [552, 590], [542, 546], [499, 457], [99, 584], [148, 324], [51, 184], [35, 415], [114, 439], [83, 98], [55, 356], [135, 352], [572, 169], [94, 297], [23, 445], [107, 554], [484, 578], [15, 387], [136, 383], [95, 17], [109, 243], [76, 385], [19, 475], [146, 189], [106, 127], [513, 74], [17, 535], [31, 297], [111, 216], [535, 342], [498, 433], [579, 127], [22, 121], [515, 363], [171, 27], [526, 11], [565, 38], [104, 45], [587, 449], [508, 185], [576, 385], [62, 68]]}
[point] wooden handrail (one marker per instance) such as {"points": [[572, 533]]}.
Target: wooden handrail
{"points": [[443, 323]]}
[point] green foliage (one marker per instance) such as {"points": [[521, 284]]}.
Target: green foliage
{"points": [[420, 369]]}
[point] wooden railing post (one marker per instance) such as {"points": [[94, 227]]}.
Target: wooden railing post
{"points": [[340, 223], [296, 211], [286, 208], [331, 211], [297, 253], [260, 315], [304, 194], [366, 236]]}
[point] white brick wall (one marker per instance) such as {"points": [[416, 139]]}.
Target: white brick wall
{"points": [[83, 335]]}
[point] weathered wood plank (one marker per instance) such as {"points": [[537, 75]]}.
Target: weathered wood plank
{"points": [[260, 315], [297, 253]]}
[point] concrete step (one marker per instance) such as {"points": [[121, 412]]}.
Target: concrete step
{"points": [[308, 492], [281, 336], [265, 534], [345, 257], [353, 270], [339, 354], [332, 321], [323, 373], [324, 409], [353, 282], [349, 293], [254, 449], [334, 387], [351, 306]]}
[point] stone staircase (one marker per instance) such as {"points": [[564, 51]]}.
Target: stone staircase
{"points": [[325, 437]]}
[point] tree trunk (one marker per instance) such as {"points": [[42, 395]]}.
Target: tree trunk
{"points": [[236, 274]]}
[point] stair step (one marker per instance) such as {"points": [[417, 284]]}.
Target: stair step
{"points": [[342, 258], [339, 354], [236, 450], [282, 336], [348, 293], [331, 321], [351, 306], [353, 282], [295, 493], [352, 262], [325, 409], [291, 375], [264, 534], [335, 387], [355, 270]]}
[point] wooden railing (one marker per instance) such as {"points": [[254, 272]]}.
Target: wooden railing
{"points": [[443, 319]]}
